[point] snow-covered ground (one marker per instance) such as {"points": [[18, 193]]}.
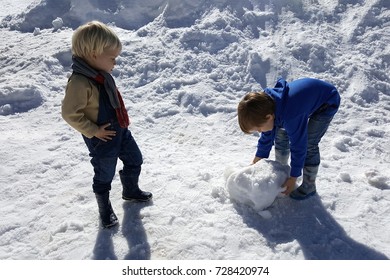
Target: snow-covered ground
{"points": [[183, 69]]}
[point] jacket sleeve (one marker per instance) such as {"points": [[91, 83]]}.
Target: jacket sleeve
{"points": [[265, 143], [75, 104], [297, 133]]}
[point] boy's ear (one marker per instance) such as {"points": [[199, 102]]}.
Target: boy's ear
{"points": [[93, 54], [269, 116]]}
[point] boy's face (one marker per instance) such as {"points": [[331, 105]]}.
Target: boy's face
{"points": [[267, 126], [105, 61]]}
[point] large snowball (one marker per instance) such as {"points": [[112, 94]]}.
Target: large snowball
{"points": [[257, 185]]}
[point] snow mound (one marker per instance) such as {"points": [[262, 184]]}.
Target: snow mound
{"points": [[126, 14], [257, 185], [132, 15], [377, 180], [19, 99]]}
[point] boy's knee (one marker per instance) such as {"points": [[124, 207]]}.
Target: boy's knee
{"points": [[104, 169], [134, 159]]}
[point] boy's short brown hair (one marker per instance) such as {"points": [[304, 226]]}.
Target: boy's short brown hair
{"points": [[253, 109], [94, 38]]}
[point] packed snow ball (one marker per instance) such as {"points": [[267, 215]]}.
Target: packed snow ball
{"points": [[257, 185]]}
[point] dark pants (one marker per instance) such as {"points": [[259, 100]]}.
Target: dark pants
{"points": [[105, 156], [316, 128]]}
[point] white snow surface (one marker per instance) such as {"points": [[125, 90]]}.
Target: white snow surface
{"points": [[184, 67]]}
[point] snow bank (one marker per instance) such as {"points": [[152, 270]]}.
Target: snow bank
{"points": [[19, 99], [125, 14], [132, 15], [257, 185]]}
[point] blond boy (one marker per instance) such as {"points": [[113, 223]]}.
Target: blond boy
{"points": [[93, 106]]}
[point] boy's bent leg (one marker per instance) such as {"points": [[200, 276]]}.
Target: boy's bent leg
{"points": [[131, 157], [282, 146], [317, 127]]}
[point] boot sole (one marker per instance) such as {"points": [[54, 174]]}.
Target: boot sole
{"points": [[111, 225], [136, 199], [302, 196]]}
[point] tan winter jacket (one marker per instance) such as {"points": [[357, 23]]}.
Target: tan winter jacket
{"points": [[80, 106]]}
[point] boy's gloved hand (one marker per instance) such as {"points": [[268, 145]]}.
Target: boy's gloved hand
{"points": [[289, 185]]}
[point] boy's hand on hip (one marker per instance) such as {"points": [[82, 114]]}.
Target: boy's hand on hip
{"points": [[289, 185], [103, 134]]}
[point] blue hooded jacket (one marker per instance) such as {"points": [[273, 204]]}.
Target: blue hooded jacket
{"points": [[295, 102]]}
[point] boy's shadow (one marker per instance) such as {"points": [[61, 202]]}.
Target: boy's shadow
{"points": [[132, 229], [104, 247], [318, 234]]}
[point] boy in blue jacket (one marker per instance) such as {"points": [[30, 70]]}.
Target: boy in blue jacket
{"points": [[294, 116]]}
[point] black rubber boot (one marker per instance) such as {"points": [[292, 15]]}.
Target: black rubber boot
{"points": [[308, 186], [131, 190], [107, 215]]}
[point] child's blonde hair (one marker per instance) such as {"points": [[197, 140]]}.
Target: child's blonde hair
{"points": [[253, 109], [94, 38]]}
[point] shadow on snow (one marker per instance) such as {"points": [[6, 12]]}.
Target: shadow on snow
{"points": [[308, 222], [132, 229]]}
